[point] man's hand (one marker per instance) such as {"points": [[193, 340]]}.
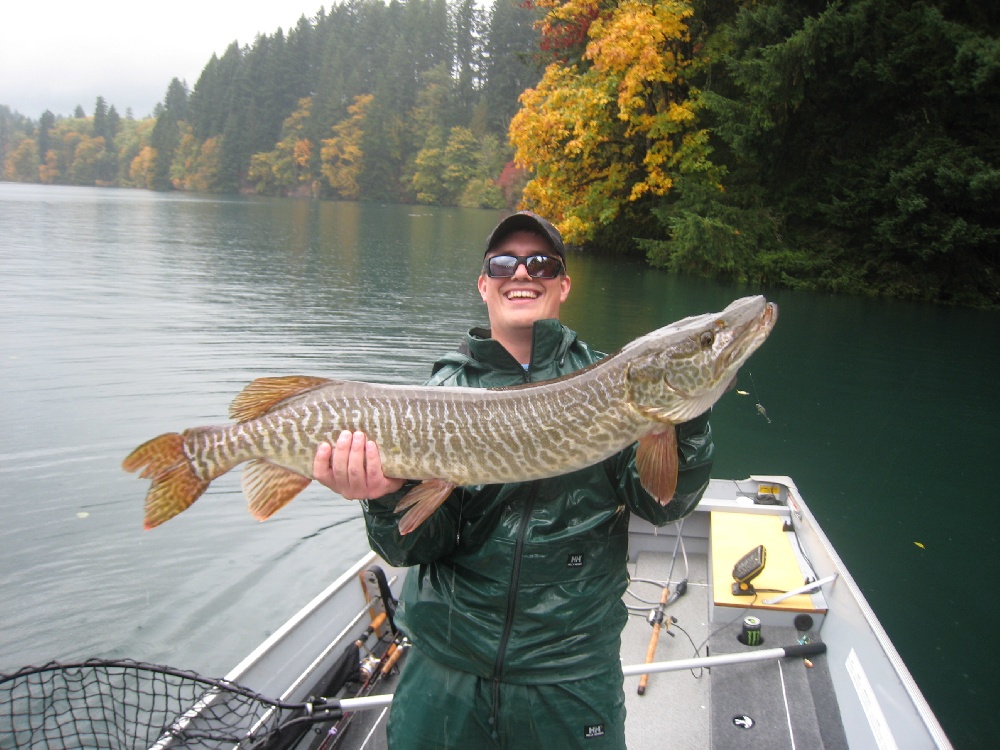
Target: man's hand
{"points": [[353, 468]]}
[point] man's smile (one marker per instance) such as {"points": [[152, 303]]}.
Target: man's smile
{"points": [[521, 294]]}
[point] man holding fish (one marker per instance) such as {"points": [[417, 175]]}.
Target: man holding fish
{"points": [[515, 610]]}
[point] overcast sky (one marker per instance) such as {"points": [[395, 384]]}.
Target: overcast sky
{"points": [[57, 54]]}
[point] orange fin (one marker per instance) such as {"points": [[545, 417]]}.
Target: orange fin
{"points": [[421, 501], [263, 394], [175, 485], [269, 487], [656, 460]]}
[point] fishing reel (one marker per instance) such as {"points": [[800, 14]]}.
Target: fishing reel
{"points": [[369, 666]]}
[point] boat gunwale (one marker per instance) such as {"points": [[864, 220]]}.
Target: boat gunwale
{"points": [[804, 515]]}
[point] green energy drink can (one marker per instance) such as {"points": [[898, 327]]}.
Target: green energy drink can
{"points": [[751, 635]]}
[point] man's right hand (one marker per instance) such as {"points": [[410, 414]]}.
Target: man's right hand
{"points": [[352, 468]]}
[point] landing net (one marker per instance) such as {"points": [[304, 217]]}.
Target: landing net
{"points": [[121, 705]]}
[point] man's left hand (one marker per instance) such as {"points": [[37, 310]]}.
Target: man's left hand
{"points": [[353, 468]]}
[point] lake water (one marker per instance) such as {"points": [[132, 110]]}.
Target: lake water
{"points": [[124, 314]]}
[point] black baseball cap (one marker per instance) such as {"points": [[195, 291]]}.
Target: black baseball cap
{"points": [[526, 221]]}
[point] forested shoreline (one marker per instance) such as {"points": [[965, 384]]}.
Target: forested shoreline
{"points": [[846, 147]]}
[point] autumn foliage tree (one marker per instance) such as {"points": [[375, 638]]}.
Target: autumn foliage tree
{"points": [[261, 116], [21, 164], [342, 155], [614, 119], [287, 169]]}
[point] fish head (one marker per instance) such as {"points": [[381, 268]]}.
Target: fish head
{"points": [[679, 371]]}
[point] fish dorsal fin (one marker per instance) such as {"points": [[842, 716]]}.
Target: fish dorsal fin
{"points": [[263, 394]]}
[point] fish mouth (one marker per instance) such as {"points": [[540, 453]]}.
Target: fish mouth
{"points": [[769, 317], [749, 336]]}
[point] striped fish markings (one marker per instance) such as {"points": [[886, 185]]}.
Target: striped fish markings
{"points": [[451, 436]]}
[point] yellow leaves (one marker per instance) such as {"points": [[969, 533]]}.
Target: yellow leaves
{"points": [[296, 122], [48, 171], [341, 155], [612, 129], [141, 168], [22, 162], [641, 44], [302, 152]]}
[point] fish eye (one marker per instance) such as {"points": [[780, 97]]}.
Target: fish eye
{"points": [[707, 339]]}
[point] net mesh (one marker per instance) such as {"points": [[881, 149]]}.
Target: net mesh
{"points": [[114, 705]]}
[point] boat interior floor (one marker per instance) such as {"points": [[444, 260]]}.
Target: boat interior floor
{"points": [[772, 704]]}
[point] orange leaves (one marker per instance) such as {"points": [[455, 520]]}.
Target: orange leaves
{"points": [[566, 25], [619, 125]]}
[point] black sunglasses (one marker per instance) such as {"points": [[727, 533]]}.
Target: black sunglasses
{"points": [[537, 266]]}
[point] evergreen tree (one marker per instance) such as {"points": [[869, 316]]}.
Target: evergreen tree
{"points": [[860, 145], [166, 133], [510, 65], [45, 125], [114, 122], [101, 128], [468, 58]]}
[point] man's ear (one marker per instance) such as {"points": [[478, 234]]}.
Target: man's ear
{"points": [[565, 284], [482, 286]]}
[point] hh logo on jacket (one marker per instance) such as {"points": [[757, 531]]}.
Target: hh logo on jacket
{"points": [[575, 560]]}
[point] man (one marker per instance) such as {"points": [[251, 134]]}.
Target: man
{"points": [[514, 608]]}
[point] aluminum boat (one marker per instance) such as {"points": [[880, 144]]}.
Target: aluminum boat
{"points": [[747, 631]]}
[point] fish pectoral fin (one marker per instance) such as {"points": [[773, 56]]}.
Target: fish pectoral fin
{"points": [[656, 460], [269, 487], [263, 394], [420, 502]]}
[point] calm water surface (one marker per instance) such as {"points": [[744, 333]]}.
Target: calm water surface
{"points": [[124, 314]]}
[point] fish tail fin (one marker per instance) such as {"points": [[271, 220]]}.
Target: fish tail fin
{"points": [[420, 502], [175, 485]]}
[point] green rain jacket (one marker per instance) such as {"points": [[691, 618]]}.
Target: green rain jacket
{"points": [[523, 582]]}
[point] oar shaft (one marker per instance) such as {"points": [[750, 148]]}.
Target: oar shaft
{"points": [[366, 703], [809, 649], [768, 654]]}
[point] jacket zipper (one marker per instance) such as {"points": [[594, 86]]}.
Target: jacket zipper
{"points": [[508, 625]]}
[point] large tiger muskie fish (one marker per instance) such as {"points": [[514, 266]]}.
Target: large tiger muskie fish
{"points": [[449, 436]]}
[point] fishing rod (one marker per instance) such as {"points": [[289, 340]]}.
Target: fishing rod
{"points": [[656, 617], [374, 670]]}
